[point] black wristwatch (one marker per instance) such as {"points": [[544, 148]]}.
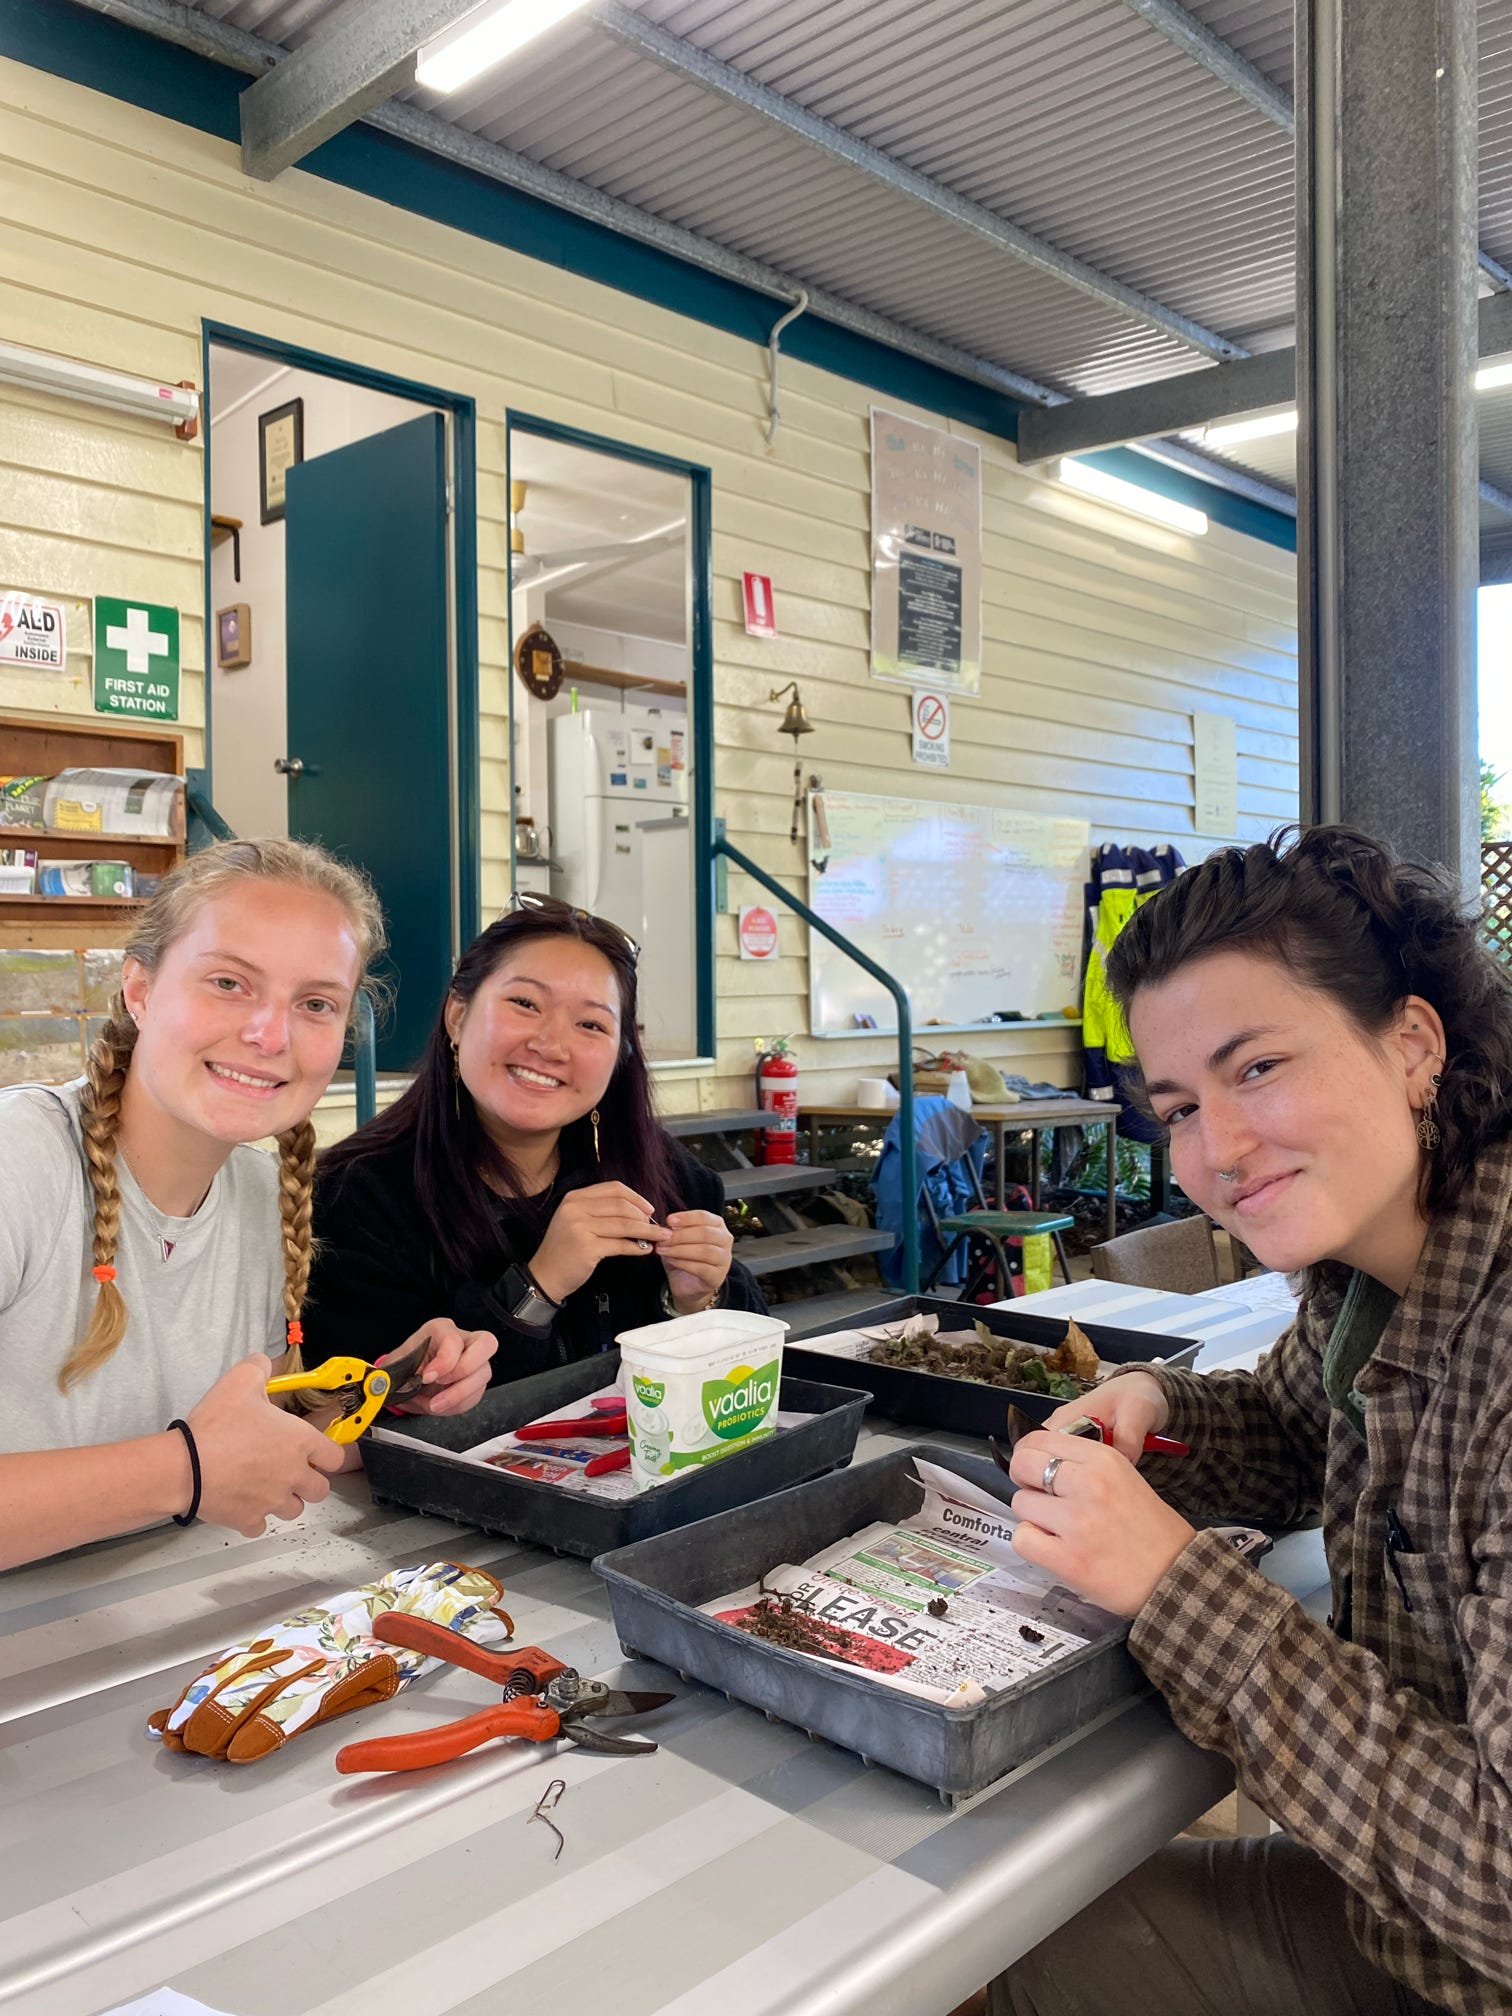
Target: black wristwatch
{"points": [[528, 1305]]}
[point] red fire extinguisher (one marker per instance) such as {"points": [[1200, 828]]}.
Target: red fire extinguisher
{"points": [[777, 1094]]}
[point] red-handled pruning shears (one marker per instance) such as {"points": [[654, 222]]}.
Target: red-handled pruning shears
{"points": [[1090, 1429]]}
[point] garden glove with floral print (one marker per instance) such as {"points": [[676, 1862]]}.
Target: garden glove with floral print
{"points": [[323, 1662]]}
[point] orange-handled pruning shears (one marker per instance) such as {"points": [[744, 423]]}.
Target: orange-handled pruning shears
{"points": [[360, 1388], [543, 1699]]}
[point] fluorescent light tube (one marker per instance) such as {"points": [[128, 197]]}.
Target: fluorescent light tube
{"points": [[1491, 375], [484, 39], [68, 378], [1257, 428], [1132, 496]]}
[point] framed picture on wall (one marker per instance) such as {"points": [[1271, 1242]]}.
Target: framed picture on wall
{"points": [[280, 444]]}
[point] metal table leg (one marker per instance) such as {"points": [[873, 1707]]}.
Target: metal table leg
{"points": [[1000, 1160], [1034, 1166], [1112, 1231]]}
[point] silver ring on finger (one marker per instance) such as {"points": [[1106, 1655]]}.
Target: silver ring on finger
{"points": [[1047, 1482]]}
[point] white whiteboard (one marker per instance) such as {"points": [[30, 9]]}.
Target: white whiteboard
{"points": [[974, 908]]}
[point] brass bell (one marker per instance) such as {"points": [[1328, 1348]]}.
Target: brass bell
{"points": [[795, 721]]}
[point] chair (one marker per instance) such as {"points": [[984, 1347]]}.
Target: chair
{"points": [[951, 1145], [992, 1227], [1180, 1258]]}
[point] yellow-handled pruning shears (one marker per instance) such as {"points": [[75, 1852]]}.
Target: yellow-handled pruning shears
{"points": [[360, 1388]]}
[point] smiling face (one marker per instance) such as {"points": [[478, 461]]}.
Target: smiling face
{"points": [[1277, 1084], [241, 1022], [538, 1042]]}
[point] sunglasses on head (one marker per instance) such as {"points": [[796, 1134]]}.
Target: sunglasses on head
{"points": [[526, 902]]}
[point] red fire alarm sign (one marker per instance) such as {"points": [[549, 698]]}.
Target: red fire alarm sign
{"points": [[760, 616]]}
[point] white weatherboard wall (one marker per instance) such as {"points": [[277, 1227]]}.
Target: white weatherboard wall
{"points": [[119, 230]]}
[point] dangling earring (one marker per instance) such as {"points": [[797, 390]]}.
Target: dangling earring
{"points": [[1428, 1132], [456, 1083], [593, 1120]]}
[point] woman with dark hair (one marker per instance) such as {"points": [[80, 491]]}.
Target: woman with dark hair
{"points": [[1328, 1042], [522, 1185]]}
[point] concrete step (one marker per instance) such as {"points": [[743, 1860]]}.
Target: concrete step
{"points": [[813, 1315], [721, 1120], [806, 1249], [775, 1178]]}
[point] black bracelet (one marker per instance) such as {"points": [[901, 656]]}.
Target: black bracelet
{"points": [[188, 1518]]}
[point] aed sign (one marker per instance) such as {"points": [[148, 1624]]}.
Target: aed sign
{"points": [[760, 615], [930, 715], [32, 633], [758, 932], [136, 659]]}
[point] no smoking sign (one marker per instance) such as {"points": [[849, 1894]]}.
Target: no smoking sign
{"points": [[930, 716]]}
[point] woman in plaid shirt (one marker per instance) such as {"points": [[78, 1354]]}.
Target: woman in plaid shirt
{"points": [[1329, 1043]]}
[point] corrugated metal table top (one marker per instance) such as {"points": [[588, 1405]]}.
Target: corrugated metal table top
{"points": [[741, 1869]]}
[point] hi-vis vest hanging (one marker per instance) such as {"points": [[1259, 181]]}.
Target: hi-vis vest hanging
{"points": [[1122, 879]]}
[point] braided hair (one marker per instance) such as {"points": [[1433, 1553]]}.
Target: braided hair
{"points": [[165, 919]]}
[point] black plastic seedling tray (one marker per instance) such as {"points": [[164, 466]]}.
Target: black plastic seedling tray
{"points": [[656, 1586], [964, 1406], [410, 1464]]}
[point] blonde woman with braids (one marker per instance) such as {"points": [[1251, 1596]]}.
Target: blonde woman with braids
{"points": [[152, 1263]]}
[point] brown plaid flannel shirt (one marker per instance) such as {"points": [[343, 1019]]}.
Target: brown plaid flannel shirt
{"points": [[1384, 1742]]}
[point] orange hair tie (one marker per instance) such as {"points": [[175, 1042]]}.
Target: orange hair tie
{"points": [[104, 1273], [296, 1334]]}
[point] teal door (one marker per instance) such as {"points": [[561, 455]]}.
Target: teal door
{"points": [[365, 539]]}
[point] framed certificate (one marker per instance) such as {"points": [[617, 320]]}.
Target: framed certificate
{"points": [[280, 444]]}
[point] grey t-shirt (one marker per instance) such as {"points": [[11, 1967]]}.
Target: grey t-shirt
{"points": [[200, 1292]]}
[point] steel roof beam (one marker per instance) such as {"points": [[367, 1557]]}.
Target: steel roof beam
{"points": [[1195, 39], [1197, 398], [174, 21], [1164, 407], [684, 59], [362, 56]]}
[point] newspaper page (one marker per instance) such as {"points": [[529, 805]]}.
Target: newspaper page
{"points": [[130, 804], [939, 1605]]}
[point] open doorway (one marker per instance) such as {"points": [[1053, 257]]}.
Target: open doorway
{"points": [[608, 558], [341, 650]]}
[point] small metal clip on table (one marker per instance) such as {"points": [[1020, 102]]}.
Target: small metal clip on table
{"points": [[1029, 1116]]}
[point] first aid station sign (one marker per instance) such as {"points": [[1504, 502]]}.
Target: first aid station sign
{"points": [[32, 633], [136, 659]]}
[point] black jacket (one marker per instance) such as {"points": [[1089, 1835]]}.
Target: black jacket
{"points": [[378, 1274]]}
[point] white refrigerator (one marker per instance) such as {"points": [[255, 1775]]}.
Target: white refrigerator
{"points": [[620, 848]]}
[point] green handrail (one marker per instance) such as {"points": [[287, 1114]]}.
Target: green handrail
{"points": [[207, 825], [907, 1146]]}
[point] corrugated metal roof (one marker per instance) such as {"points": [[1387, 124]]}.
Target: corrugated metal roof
{"points": [[1074, 120]]}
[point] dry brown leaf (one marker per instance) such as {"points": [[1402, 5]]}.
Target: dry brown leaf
{"points": [[1075, 1353]]}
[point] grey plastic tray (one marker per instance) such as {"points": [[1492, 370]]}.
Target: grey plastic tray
{"points": [[656, 1586], [964, 1406], [408, 1465]]}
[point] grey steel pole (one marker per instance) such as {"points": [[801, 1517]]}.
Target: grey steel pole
{"points": [[1387, 539]]}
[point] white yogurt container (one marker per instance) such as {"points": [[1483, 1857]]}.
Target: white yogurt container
{"points": [[699, 1387]]}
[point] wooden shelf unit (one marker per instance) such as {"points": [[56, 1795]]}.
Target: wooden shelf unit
{"points": [[42, 749]]}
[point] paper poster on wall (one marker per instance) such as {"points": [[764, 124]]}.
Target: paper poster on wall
{"points": [[1216, 766], [32, 633], [926, 554]]}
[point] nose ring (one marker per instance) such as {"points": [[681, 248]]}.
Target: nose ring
{"points": [[1228, 1175]]}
